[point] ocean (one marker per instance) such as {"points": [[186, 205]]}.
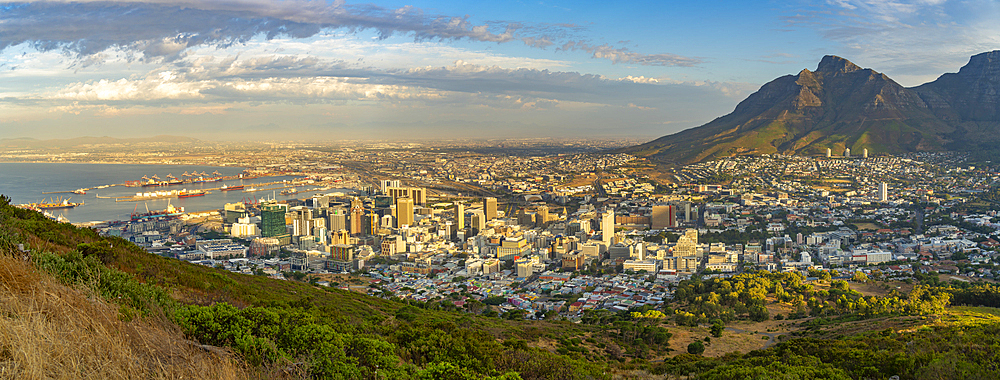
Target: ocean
{"points": [[25, 183]]}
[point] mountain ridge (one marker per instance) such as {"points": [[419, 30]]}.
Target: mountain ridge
{"points": [[841, 105]]}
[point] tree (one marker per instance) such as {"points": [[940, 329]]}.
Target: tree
{"points": [[859, 276], [696, 348], [717, 328]]}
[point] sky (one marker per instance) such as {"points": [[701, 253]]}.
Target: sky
{"points": [[240, 70]]}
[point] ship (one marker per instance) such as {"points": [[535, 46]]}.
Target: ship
{"points": [[227, 187], [170, 211], [192, 193], [54, 204]]}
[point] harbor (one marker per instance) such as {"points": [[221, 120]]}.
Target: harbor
{"points": [[107, 198]]}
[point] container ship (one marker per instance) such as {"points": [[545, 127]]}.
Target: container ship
{"points": [[227, 187], [193, 193]]}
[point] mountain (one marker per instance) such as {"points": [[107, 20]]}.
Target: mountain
{"points": [[90, 140], [841, 105]]}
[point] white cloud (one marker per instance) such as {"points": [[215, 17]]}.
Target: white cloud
{"points": [[913, 41], [163, 31]]}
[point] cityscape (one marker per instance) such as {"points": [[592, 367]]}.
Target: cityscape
{"points": [[518, 190], [569, 232]]}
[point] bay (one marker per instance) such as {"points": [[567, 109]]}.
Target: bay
{"points": [[25, 183]]}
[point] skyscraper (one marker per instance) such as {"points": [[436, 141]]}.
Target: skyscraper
{"points": [[404, 212], [387, 183], [847, 152], [542, 215], [417, 194], [459, 215], [664, 216], [608, 226], [864, 153], [272, 216], [490, 208], [337, 220], [883, 192], [357, 218]]}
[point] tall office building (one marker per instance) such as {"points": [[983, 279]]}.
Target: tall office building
{"points": [[404, 212], [417, 194], [847, 152], [490, 208], [864, 153], [829, 152], [664, 216], [459, 215], [478, 221], [302, 223], [883, 192], [541, 215], [387, 183], [370, 222], [272, 217], [357, 218], [608, 226], [337, 219]]}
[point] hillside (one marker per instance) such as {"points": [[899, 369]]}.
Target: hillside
{"points": [[840, 105]]}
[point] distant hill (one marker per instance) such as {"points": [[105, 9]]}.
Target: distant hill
{"points": [[840, 105], [24, 142]]}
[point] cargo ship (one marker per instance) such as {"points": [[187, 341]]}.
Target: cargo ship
{"points": [[193, 193], [54, 204], [170, 211], [227, 187]]}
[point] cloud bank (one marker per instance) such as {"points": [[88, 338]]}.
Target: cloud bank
{"points": [[164, 30]]}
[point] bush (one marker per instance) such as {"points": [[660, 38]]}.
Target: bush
{"points": [[696, 348]]}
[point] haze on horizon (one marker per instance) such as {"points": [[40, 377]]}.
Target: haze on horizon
{"points": [[249, 69]]}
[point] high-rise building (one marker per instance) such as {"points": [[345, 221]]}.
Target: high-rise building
{"points": [[417, 194], [387, 183], [608, 226], [370, 222], [490, 208], [847, 152], [478, 221], [864, 153], [541, 215], [272, 216], [459, 215], [829, 152], [337, 219], [664, 216], [404, 212], [357, 218], [883, 192]]}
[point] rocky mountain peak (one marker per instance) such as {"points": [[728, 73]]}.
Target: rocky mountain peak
{"points": [[983, 66], [833, 64]]}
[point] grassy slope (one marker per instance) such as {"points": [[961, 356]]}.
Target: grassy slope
{"points": [[49, 330]]}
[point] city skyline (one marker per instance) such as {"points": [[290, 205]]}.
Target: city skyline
{"points": [[244, 70]]}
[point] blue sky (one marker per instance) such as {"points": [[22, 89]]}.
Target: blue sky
{"points": [[300, 69]]}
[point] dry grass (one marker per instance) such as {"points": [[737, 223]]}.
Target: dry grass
{"points": [[51, 331]]}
